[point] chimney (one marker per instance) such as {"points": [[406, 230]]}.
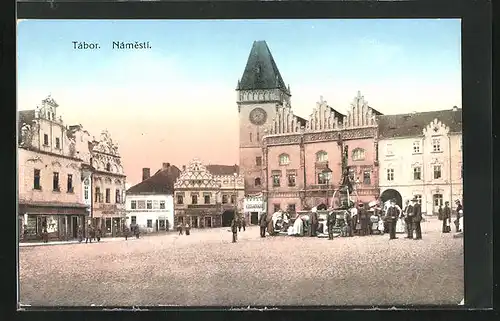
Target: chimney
{"points": [[165, 165], [146, 172], [455, 108]]}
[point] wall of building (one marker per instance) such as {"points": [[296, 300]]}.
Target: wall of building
{"points": [[28, 161], [155, 213]]}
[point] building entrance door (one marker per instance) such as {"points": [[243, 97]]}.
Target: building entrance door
{"points": [[254, 218], [74, 227], [208, 222]]}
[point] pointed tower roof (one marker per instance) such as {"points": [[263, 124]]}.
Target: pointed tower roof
{"points": [[261, 71]]}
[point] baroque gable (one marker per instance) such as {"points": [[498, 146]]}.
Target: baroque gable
{"points": [[436, 128], [106, 145]]}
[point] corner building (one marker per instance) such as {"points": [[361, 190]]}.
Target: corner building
{"points": [[296, 163]]}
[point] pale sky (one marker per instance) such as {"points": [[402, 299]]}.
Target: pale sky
{"points": [[177, 100]]}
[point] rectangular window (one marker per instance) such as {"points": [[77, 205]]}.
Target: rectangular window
{"points": [[162, 205], [46, 139], [149, 204], [388, 150], [117, 196], [70, 183], [291, 208], [180, 199], [97, 197], [416, 147], [277, 207], [417, 173], [367, 180], [436, 145], [438, 199], [86, 192], [36, 179], [257, 182], [108, 195], [141, 205], [233, 199], [149, 223], [133, 205], [58, 143], [224, 199], [156, 205], [207, 199], [390, 174], [194, 199], [258, 161], [55, 182], [437, 171], [419, 198], [291, 180], [133, 220], [276, 180]]}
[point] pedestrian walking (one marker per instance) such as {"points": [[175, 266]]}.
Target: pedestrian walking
{"points": [[98, 234], [239, 225], [188, 229], [126, 230], [179, 228], [353, 221], [392, 216], [244, 223], [417, 218], [363, 219], [45, 235], [446, 216], [88, 235], [167, 224], [263, 224], [408, 217], [80, 234], [234, 229], [459, 212], [330, 223], [136, 231]]}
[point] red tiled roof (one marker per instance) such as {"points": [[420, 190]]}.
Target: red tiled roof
{"points": [[162, 182]]}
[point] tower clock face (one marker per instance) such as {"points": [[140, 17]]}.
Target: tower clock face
{"points": [[258, 116]]}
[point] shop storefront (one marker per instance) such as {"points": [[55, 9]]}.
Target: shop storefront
{"points": [[202, 217], [60, 220], [253, 207]]}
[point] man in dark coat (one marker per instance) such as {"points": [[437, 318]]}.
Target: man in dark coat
{"points": [[89, 235], [417, 218], [98, 234], [234, 230], [408, 216], [330, 223], [459, 210], [446, 215], [136, 231], [314, 224], [126, 230], [239, 225], [243, 223], [263, 224], [392, 218], [363, 219]]}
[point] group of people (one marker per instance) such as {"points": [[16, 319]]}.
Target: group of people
{"points": [[444, 214], [90, 234], [406, 220], [181, 229]]}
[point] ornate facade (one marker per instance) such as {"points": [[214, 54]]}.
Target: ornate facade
{"points": [[50, 189], [208, 195], [294, 162], [421, 156]]}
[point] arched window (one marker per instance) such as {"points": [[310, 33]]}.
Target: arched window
{"points": [[257, 182], [321, 156], [284, 159], [108, 167], [358, 154]]}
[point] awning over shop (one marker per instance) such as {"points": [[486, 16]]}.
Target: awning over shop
{"points": [[53, 209]]}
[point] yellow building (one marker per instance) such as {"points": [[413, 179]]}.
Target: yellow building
{"points": [[50, 192]]}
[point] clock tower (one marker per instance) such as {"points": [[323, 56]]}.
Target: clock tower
{"points": [[260, 92]]}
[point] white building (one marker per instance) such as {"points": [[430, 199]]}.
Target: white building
{"points": [[150, 203], [420, 155]]}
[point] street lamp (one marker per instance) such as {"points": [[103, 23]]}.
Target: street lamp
{"points": [[326, 174], [235, 196]]}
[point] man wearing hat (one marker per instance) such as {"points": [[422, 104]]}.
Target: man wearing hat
{"points": [[446, 218], [417, 218], [408, 215], [392, 217], [459, 212], [363, 219]]}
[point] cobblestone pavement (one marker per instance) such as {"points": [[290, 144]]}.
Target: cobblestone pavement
{"points": [[205, 268]]}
